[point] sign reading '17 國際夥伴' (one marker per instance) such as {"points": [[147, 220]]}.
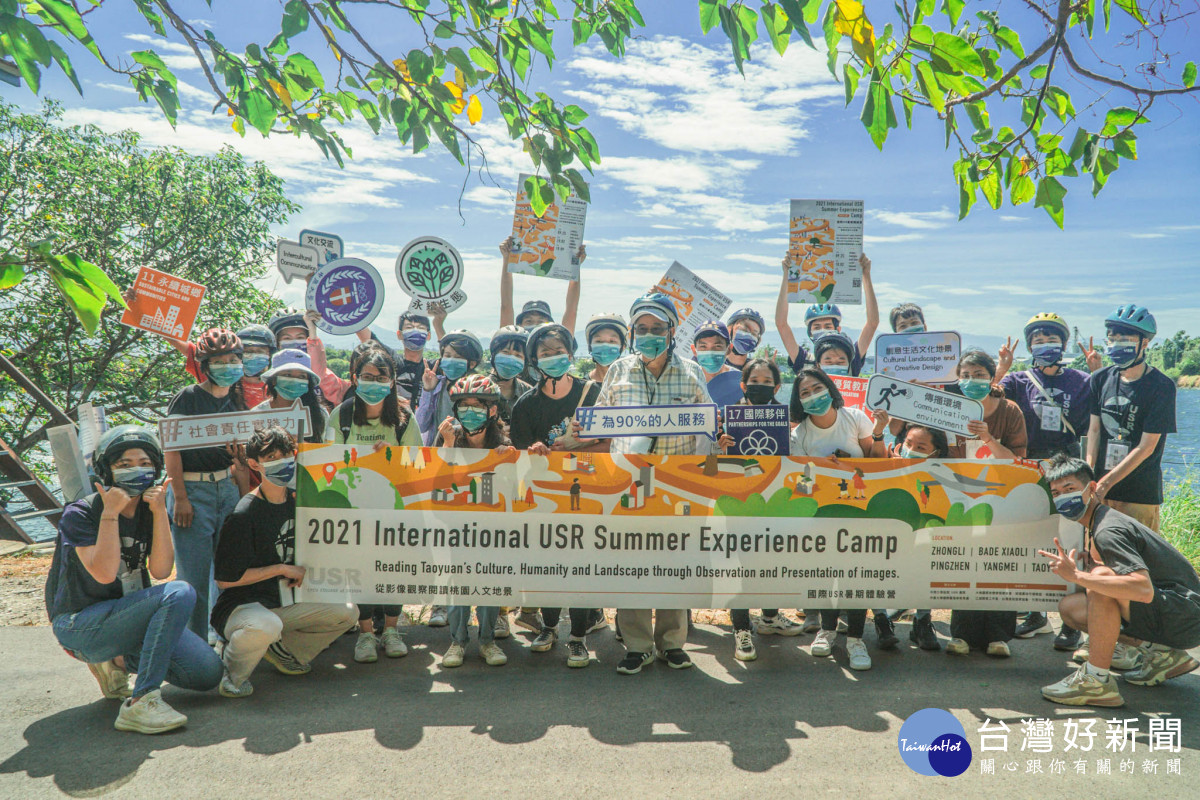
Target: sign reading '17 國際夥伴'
{"points": [[475, 527], [547, 246]]}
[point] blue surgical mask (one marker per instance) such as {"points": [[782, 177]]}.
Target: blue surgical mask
{"points": [[1123, 355], [472, 419], [1046, 355], [555, 366], [605, 353], [507, 366], [134, 480], [914, 329], [415, 339], [255, 363], [908, 452], [836, 369], [744, 343], [1070, 505], [371, 392], [291, 388], [650, 346], [975, 388], [454, 368], [295, 344], [225, 374], [711, 360], [817, 404], [281, 472]]}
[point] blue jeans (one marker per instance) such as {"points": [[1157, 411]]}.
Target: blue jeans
{"points": [[196, 544], [460, 616], [148, 629]]}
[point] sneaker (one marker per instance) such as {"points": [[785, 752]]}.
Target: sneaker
{"points": [[675, 658], [228, 689], [437, 617], [957, 647], [617, 628], [1125, 657], [1082, 654], [393, 643], [777, 625], [529, 620], [743, 646], [544, 641], [501, 630], [596, 620], [923, 635], [577, 654], [823, 644], [150, 714], [1067, 638], [885, 631], [998, 650], [491, 653], [282, 659], [860, 659], [1081, 688], [454, 656], [365, 647], [1034, 624], [114, 681], [1161, 665], [633, 662], [812, 621], [842, 627]]}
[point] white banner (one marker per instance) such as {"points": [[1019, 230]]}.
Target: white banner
{"points": [[605, 422], [923, 357], [218, 430], [923, 405]]}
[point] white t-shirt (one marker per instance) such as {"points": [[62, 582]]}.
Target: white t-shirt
{"points": [[852, 425]]}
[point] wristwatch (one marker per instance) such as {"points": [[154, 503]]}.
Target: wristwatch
{"points": [[877, 437]]}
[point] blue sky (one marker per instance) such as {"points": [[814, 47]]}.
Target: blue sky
{"points": [[698, 166]]}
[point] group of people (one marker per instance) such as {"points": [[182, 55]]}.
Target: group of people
{"points": [[224, 517]]}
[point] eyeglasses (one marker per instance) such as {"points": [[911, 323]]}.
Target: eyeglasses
{"points": [[657, 330], [1121, 339], [384, 379]]}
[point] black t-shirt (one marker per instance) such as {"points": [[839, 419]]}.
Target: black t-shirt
{"points": [[69, 586], [257, 534], [1126, 546], [1126, 411], [505, 406], [538, 418], [408, 373], [191, 401]]}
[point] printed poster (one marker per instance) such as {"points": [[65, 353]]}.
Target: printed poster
{"points": [[824, 242], [696, 301], [163, 304], [926, 357], [923, 405], [546, 246], [758, 430], [218, 430], [854, 392]]}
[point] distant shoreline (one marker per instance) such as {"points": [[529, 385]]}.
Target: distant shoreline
{"points": [[1188, 382]]}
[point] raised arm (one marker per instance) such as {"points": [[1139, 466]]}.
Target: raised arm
{"points": [[872, 324], [571, 312], [781, 318], [507, 315]]}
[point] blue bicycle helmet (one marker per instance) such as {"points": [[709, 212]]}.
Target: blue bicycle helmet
{"points": [[821, 311], [747, 313], [1132, 319], [656, 304], [539, 333]]}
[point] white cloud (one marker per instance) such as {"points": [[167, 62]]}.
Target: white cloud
{"points": [[751, 258], [490, 196], [914, 220], [1148, 235], [899, 237], [1013, 218], [159, 44]]}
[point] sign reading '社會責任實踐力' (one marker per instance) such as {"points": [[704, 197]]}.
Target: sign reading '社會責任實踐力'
{"points": [[236, 427]]}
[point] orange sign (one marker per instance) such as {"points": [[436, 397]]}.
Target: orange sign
{"points": [[854, 392], [163, 304]]}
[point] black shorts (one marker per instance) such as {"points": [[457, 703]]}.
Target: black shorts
{"points": [[1172, 618]]}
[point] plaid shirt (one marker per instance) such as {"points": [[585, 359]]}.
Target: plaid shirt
{"points": [[629, 383]]}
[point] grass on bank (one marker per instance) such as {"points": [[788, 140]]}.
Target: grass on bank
{"points": [[1181, 515]]}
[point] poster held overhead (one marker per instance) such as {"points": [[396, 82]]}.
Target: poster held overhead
{"points": [[296, 260], [825, 239], [696, 302], [163, 304], [347, 293], [329, 246], [430, 271], [546, 246]]}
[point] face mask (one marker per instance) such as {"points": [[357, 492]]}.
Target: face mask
{"points": [[759, 394], [291, 388], [414, 339], [836, 369], [472, 419], [744, 343], [650, 347], [255, 364], [710, 360], [908, 452], [817, 404], [1070, 505], [529, 328], [134, 480], [1123, 355], [295, 344], [508, 367], [225, 374], [372, 393], [454, 368], [605, 353], [1046, 355], [281, 472], [975, 388], [555, 366], [914, 329]]}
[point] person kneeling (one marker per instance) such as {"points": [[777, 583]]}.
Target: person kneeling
{"points": [[255, 569], [1141, 593], [98, 594]]}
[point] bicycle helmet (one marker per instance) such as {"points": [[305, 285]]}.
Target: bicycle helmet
{"points": [[539, 333], [612, 321], [656, 304], [506, 336], [116, 441], [831, 339], [822, 311], [478, 386], [465, 343], [259, 336], [1132, 319], [1048, 322], [747, 313], [288, 318], [217, 342]]}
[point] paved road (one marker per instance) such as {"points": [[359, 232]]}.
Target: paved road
{"points": [[784, 726]]}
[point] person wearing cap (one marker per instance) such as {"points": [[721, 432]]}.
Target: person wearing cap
{"points": [[654, 374], [745, 329], [710, 344], [461, 354], [825, 317], [606, 341], [535, 312], [102, 607], [291, 379]]}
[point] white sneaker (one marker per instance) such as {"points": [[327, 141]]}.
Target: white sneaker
{"points": [[150, 714], [743, 646], [114, 681], [454, 655], [860, 659], [365, 648], [492, 654], [1083, 653], [777, 625], [437, 617], [822, 645], [393, 643], [501, 630], [1125, 657], [229, 689], [957, 647], [998, 650]]}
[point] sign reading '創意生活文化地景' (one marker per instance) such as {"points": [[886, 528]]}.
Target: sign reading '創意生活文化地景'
{"points": [[473, 527]]}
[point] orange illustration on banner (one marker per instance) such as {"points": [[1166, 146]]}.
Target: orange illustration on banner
{"points": [[163, 304]]}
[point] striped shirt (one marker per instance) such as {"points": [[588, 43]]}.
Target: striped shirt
{"points": [[629, 383]]}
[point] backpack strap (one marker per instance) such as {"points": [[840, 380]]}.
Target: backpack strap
{"points": [[345, 418], [402, 427]]}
